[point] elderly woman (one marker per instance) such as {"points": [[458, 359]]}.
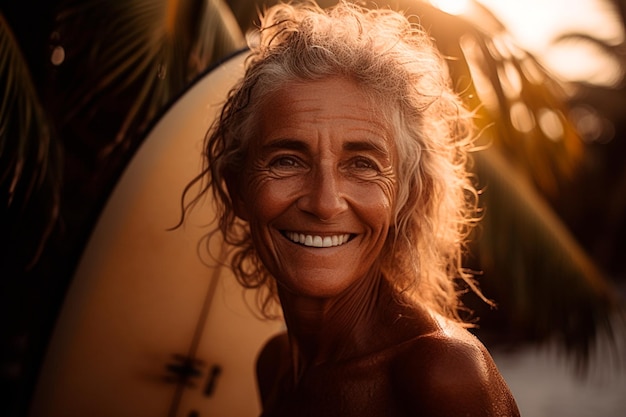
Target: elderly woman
{"points": [[338, 165]]}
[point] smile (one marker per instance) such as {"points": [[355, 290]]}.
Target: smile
{"points": [[318, 241]]}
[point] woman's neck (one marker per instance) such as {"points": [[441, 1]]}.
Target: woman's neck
{"points": [[336, 328]]}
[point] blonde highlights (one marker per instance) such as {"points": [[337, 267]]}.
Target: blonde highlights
{"points": [[396, 63]]}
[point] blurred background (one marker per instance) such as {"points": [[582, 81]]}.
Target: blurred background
{"points": [[84, 81]]}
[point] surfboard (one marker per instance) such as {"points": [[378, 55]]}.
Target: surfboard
{"points": [[148, 327]]}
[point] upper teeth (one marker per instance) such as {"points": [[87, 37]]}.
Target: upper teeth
{"points": [[318, 241]]}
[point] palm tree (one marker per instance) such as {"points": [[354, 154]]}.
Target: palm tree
{"points": [[68, 127]]}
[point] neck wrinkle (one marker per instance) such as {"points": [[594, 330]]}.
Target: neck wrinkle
{"points": [[333, 329]]}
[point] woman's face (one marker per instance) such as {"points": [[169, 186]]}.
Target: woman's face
{"points": [[319, 187]]}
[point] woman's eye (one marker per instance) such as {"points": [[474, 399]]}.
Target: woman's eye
{"points": [[284, 162], [364, 164]]}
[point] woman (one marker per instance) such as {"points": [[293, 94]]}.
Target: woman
{"points": [[338, 165]]}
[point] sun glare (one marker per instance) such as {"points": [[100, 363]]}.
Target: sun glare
{"points": [[585, 62], [537, 24], [454, 7]]}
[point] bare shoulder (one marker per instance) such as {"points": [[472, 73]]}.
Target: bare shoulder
{"points": [[271, 363], [450, 372]]}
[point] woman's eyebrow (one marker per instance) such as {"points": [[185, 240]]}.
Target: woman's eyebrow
{"points": [[286, 143], [379, 149]]}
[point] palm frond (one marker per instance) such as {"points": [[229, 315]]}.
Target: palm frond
{"points": [[29, 176], [136, 56], [546, 287], [513, 93]]}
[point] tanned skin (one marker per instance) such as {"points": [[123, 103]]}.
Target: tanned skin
{"points": [[411, 364]]}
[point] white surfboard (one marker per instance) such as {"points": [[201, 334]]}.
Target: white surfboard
{"points": [[142, 303]]}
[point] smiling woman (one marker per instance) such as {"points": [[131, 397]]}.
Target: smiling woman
{"points": [[338, 167], [334, 179]]}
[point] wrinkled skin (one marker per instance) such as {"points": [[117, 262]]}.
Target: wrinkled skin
{"points": [[319, 194]]}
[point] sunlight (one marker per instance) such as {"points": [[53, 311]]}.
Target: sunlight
{"points": [[537, 25], [454, 7], [583, 61], [538, 22], [522, 118], [550, 124], [58, 56]]}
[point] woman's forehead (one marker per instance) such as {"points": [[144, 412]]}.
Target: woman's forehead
{"points": [[336, 101]]}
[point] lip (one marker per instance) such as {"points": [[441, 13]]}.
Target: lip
{"points": [[313, 240]]}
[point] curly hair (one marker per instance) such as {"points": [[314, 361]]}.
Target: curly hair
{"points": [[396, 63]]}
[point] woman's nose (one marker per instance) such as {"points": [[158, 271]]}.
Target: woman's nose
{"points": [[323, 196]]}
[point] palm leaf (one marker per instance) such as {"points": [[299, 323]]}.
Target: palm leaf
{"points": [[135, 56], [521, 101], [29, 176], [547, 288]]}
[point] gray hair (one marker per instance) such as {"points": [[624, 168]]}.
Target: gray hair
{"points": [[396, 63]]}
